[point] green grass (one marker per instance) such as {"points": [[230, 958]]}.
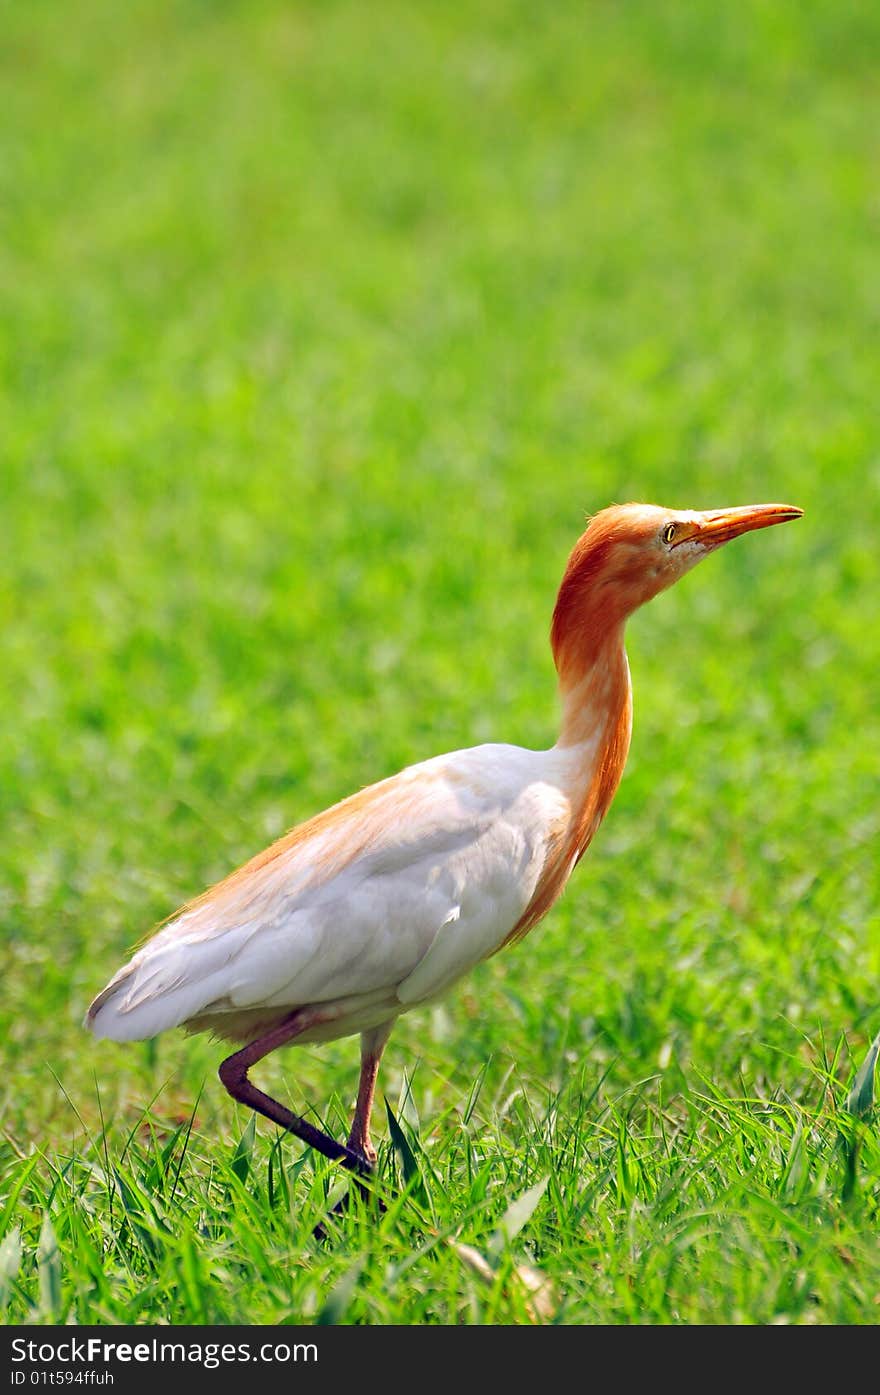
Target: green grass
{"points": [[323, 326]]}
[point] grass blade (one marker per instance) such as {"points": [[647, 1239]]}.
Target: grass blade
{"points": [[860, 1100], [412, 1175], [340, 1296], [241, 1162], [49, 1269], [517, 1215], [10, 1261]]}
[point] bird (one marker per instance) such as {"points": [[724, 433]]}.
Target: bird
{"points": [[382, 902]]}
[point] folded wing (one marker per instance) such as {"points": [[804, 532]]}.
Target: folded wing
{"points": [[394, 892]]}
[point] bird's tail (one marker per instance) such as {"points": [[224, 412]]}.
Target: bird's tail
{"points": [[157, 989]]}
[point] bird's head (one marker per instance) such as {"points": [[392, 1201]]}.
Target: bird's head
{"points": [[629, 553]]}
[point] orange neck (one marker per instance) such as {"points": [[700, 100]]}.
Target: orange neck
{"points": [[594, 688], [596, 715], [597, 718]]}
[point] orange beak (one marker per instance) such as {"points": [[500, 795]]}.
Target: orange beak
{"points": [[720, 525]]}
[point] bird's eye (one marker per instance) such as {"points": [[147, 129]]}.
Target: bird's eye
{"points": [[668, 534]]}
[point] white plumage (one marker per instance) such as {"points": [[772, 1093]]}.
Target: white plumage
{"points": [[411, 884]]}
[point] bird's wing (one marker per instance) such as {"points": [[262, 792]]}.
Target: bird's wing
{"points": [[400, 888]]}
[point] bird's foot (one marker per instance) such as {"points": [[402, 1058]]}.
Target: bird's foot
{"points": [[362, 1147]]}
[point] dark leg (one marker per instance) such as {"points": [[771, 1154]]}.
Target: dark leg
{"points": [[372, 1046], [234, 1074]]}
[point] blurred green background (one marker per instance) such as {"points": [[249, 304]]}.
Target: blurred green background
{"points": [[323, 327]]}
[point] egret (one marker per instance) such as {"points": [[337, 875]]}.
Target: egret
{"points": [[382, 902]]}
